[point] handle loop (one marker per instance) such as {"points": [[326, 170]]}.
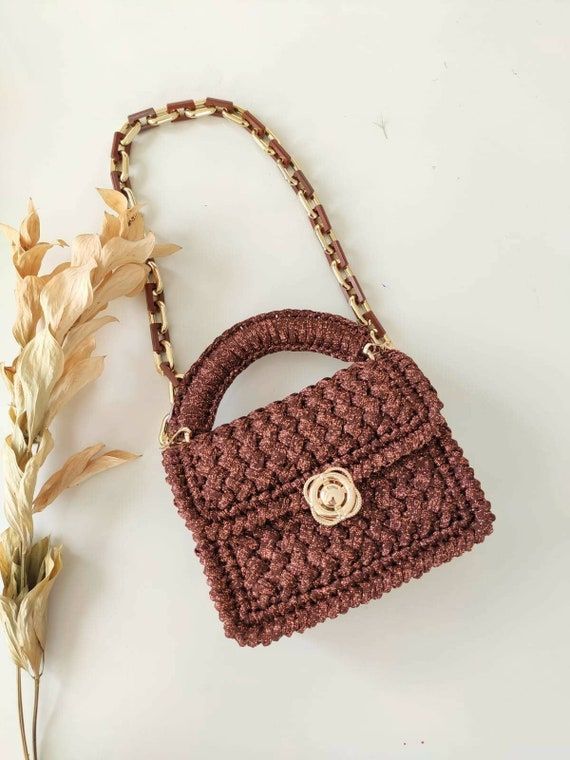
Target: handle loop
{"points": [[188, 110], [200, 392]]}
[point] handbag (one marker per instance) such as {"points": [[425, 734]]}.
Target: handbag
{"points": [[326, 499]]}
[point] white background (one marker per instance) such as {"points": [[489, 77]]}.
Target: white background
{"points": [[457, 225]]}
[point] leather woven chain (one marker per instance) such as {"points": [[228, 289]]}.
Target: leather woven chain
{"points": [[186, 110]]}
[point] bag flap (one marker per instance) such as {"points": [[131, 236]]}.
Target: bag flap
{"points": [[364, 417]]}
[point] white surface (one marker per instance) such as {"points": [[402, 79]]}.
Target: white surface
{"points": [[457, 224]]}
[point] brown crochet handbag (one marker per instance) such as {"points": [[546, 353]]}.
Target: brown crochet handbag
{"points": [[332, 496]]}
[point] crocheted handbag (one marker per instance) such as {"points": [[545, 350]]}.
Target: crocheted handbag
{"points": [[332, 496]]}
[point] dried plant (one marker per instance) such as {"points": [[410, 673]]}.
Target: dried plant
{"points": [[57, 316]]}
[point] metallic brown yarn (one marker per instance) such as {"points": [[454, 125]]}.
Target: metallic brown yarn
{"points": [[272, 568]]}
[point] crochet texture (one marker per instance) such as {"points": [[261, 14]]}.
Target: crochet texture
{"points": [[272, 568]]}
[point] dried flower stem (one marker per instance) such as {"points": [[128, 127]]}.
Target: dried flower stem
{"points": [[35, 719], [56, 319], [21, 714]]}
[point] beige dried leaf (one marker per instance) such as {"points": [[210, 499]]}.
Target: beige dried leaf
{"points": [[8, 617], [85, 249], [78, 468], [106, 461], [82, 351], [29, 479], [30, 228], [11, 234], [29, 261], [111, 227], [79, 375], [65, 298], [34, 560], [164, 249], [117, 251], [28, 308], [38, 371], [131, 224], [19, 516], [114, 199], [8, 375], [23, 603], [65, 476], [20, 486], [82, 331], [15, 590], [56, 270], [127, 280], [18, 439], [9, 547], [32, 614]]}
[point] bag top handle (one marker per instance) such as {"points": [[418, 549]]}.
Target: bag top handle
{"points": [[199, 393], [188, 110]]}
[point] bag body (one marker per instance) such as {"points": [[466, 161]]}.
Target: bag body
{"points": [[332, 496], [272, 567]]}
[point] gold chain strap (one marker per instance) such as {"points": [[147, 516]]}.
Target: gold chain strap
{"points": [[186, 110]]}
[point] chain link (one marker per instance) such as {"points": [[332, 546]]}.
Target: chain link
{"points": [[186, 110], [159, 327]]}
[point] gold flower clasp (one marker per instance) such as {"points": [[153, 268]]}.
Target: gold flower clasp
{"points": [[332, 496]]}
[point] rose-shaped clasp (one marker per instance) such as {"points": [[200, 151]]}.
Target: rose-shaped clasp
{"points": [[332, 496]]}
